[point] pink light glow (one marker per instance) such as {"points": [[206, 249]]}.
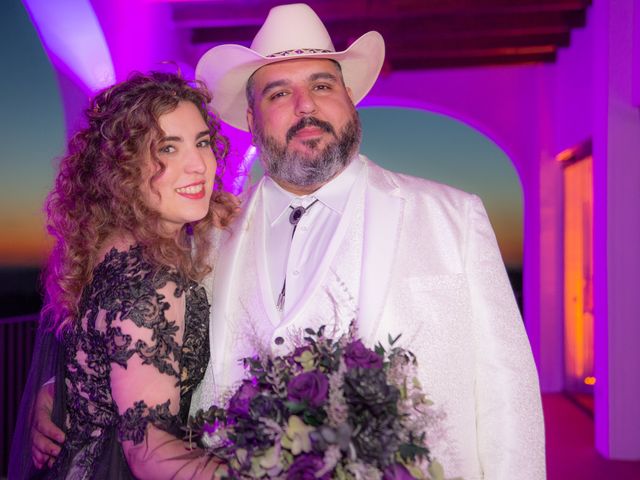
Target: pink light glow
{"points": [[237, 171], [73, 38], [239, 161]]}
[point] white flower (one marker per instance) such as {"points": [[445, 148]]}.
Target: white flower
{"points": [[331, 458], [337, 411], [296, 438]]}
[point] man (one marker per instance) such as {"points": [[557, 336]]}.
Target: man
{"points": [[395, 253], [327, 237]]}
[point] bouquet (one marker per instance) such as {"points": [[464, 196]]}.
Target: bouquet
{"points": [[331, 409]]}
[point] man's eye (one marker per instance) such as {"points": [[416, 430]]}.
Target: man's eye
{"points": [[167, 149], [204, 143], [323, 86], [278, 95]]}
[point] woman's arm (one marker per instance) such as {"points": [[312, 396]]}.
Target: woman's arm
{"points": [[146, 389]]}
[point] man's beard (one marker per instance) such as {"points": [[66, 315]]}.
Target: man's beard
{"points": [[317, 167]]}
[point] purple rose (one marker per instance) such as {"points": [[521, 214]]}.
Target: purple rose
{"points": [[357, 355], [239, 403], [397, 472], [310, 386], [305, 467]]}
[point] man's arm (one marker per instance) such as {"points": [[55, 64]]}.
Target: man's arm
{"points": [[509, 412], [46, 437]]}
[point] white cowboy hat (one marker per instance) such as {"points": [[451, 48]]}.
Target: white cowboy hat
{"points": [[289, 32]]}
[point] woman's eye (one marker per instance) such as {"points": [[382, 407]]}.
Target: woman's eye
{"points": [[204, 143], [167, 149]]}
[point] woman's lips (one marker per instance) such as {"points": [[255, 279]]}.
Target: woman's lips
{"points": [[194, 191]]}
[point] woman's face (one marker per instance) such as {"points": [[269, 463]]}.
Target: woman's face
{"points": [[181, 193]]}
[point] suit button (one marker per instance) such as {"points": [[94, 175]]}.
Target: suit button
{"points": [[279, 340]]}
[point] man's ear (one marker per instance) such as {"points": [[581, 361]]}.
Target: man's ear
{"points": [[250, 120], [350, 93]]}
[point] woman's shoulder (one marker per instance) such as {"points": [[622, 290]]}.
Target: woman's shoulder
{"points": [[124, 273], [123, 265]]}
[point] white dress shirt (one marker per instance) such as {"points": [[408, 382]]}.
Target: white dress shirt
{"points": [[296, 259]]}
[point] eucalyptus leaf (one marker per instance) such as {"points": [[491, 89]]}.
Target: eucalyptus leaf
{"points": [[295, 407]]}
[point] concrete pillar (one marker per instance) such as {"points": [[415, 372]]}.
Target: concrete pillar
{"points": [[616, 143]]}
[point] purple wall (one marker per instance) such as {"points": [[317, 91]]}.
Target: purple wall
{"points": [[596, 97]]}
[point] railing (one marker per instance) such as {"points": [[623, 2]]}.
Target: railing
{"points": [[17, 337]]}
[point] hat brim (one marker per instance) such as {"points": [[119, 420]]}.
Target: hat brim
{"points": [[225, 70]]}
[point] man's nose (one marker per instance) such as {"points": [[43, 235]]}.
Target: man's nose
{"points": [[305, 104]]}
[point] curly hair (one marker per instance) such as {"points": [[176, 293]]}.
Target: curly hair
{"points": [[97, 190]]}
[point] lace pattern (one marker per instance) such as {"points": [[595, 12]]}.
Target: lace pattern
{"points": [[127, 288], [134, 422]]}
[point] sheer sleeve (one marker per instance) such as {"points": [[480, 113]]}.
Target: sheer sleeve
{"points": [[144, 346], [47, 362]]}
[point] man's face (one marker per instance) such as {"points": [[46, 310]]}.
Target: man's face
{"points": [[303, 121]]}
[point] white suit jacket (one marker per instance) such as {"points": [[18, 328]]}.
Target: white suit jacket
{"points": [[431, 271]]}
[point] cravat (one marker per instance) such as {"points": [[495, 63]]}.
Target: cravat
{"points": [[294, 218]]}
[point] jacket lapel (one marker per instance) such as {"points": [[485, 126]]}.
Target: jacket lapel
{"points": [[384, 208], [226, 281], [264, 280]]}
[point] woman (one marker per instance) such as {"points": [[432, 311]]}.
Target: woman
{"points": [[131, 215]]}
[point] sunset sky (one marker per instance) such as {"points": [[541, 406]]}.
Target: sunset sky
{"points": [[410, 141]]}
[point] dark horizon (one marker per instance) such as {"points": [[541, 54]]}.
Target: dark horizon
{"points": [[21, 290]]}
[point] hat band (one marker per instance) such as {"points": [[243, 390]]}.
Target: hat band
{"points": [[299, 51]]}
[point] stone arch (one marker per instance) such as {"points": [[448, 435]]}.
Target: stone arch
{"points": [[487, 130], [523, 153]]}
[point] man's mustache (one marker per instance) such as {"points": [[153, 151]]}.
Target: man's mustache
{"points": [[309, 122]]}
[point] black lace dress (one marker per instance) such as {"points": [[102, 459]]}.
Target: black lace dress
{"points": [[130, 367]]}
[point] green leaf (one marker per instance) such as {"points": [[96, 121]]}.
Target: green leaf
{"points": [[314, 417], [410, 451], [321, 331], [295, 407]]}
